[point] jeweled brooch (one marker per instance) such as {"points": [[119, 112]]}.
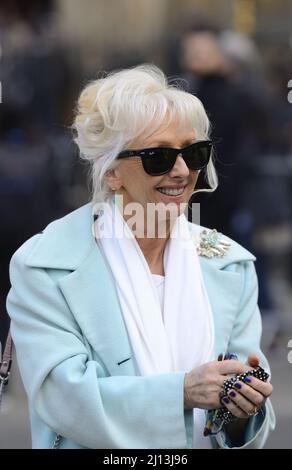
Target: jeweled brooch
{"points": [[209, 244]]}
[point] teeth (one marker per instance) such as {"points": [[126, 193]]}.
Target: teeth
{"points": [[171, 192]]}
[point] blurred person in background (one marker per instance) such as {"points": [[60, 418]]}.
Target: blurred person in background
{"points": [[233, 116], [224, 70], [128, 325], [36, 155], [264, 214], [270, 186]]}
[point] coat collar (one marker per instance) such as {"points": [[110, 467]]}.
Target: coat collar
{"points": [[67, 244]]}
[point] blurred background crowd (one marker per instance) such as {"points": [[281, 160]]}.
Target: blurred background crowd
{"points": [[235, 55]]}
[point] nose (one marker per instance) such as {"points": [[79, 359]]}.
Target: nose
{"points": [[180, 167]]}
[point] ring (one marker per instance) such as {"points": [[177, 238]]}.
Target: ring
{"points": [[254, 412]]}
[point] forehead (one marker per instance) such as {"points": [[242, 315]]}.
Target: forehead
{"points": [[172, 135]]}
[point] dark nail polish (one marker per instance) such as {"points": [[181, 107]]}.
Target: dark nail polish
{"points": [[237, 385], [232, 394], [248, 380], [233, 356], [226, 400]]}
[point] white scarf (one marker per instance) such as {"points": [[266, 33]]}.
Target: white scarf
{"points": [[182, 336]]}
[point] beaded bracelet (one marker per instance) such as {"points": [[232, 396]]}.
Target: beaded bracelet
{"points": [[217, 418], [258, 372], [228, 384]]}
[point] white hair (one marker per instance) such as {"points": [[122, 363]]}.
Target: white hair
{"points": [[113, 111]]}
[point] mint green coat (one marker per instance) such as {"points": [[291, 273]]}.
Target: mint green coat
{"points": [[74, 353]]}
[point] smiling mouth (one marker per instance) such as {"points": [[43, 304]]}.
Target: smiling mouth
{"points": [[172, 191]]}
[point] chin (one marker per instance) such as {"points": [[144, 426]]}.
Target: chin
{"points": [[174, 210]]}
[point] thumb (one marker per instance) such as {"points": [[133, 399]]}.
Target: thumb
{"points": [[253, 360]]}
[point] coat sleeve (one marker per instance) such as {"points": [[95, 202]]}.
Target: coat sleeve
{"points": [[65, 387], [245, 339]]}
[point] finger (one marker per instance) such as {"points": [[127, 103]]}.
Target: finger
{"points": [[253, 396], [241, 402], [235, 410], [232, 367], [253, 360], [265, 388]]}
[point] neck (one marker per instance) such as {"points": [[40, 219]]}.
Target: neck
{"points": [[153, 250], [152, 241], [153, 246], [151, 234]]}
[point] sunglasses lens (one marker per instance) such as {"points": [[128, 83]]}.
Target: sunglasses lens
{"points": [[197, 157], [159, 163]]}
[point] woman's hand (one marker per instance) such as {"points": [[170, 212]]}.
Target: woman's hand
{"points": [[248, 397], [203, 384]]}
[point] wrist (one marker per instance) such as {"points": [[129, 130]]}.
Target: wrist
{"points": [[187, 401]]}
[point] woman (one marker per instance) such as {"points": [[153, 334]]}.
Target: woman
{"points": [[119, 312]]}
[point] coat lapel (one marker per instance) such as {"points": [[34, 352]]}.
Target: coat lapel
{"points": [[91, 295], [223, 284], [223, 289]]}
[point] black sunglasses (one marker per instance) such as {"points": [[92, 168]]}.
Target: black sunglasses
{"points": [[160, 160]]}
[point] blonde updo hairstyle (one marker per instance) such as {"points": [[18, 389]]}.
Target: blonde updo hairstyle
{"points": [[113, 111]]}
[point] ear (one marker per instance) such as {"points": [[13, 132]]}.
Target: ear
{"points": [[113, 179]]}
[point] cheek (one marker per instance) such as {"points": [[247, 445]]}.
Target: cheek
{"points": [[136, 182], [194, 178], [130, 175]]}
